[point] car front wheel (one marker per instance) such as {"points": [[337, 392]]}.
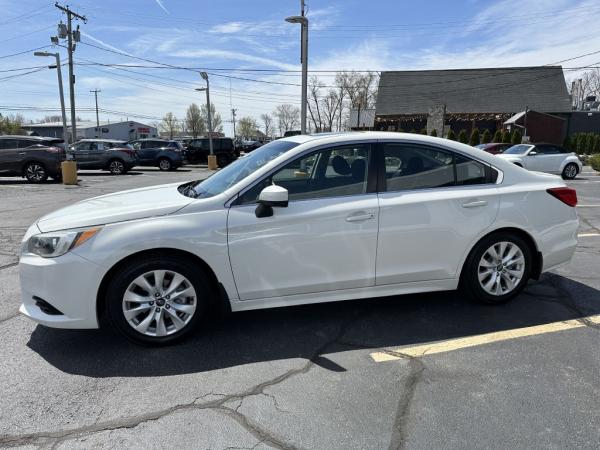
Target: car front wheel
{"points": [[570, 171], [497, 268], [157, 300], [35, 172]]}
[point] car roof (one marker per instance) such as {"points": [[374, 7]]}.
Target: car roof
{"points": [[20, 136], [100, 140]]}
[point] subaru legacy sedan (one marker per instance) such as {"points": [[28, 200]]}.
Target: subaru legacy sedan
{"points": [[304, 219]]}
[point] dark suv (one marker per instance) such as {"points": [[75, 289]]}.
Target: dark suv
{"points": [[35, 158], [105, 154], [166, 155], [199, 149]]}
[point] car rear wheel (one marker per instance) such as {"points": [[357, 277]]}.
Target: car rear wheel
{"points": [[157, 300], [570, 171], [497, 269], [35, 172], [116, 167], [165, 164]]}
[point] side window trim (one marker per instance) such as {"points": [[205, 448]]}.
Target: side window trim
{"points": [[381, 168], [372, 172]]}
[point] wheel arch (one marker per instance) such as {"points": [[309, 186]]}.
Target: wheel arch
{"points": [[114, 158], [220, 292], [30, 160], [538, 260]]}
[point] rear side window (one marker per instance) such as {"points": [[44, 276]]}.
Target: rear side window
{"points": [[24, 143], [410, 167], [7, 144]]}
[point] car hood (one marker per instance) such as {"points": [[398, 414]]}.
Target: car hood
{"points": [[118, 207]]}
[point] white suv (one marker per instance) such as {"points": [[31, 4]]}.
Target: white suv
{"points": [[304, 219], [544, 158]]}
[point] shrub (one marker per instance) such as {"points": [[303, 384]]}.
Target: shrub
{"points": [[486, 137], [424, 131], [497, 136], [506, 137], [462, 136], [516, 137], [594, 161], [433, 133], [474, 138], [451, 135]]}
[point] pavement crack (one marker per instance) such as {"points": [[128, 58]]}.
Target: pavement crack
{"points": [[399, 431], [6, 266]]}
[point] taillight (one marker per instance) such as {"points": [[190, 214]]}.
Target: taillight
{"points": [[566, 195], [54, 150]]}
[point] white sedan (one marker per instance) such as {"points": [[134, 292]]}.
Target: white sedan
{"points": [[304, 219], [544, 158]]}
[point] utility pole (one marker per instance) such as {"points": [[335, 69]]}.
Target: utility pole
{"points": [[95, 91], [303, 21], [72, 36], [233, 111]]}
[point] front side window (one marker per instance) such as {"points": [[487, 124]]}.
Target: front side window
{"points": [[411, 166], [332, 172]]}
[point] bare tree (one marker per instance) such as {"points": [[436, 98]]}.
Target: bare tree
{"points": [[331, 109], [247, 128], [12, 124], [314, 109], [355, 89], [52, 118], [194, 121], [288, 117], [169, 124], [267, 121], [217, 122]]}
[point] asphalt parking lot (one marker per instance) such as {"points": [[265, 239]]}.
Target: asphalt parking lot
{"points": [[401, 372]]}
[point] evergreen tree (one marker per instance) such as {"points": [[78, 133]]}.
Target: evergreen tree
{"points": [[424, 131], [451, 135], [516, 137], [474, 138], [506, 137], [486, 137], [433, 133], [462, 136], [497, 136]]}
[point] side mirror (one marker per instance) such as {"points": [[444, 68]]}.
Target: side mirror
{"points": [[532, 153], [269, 197]]}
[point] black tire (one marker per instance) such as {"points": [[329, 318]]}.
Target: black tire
{"points": [[35, 172], [470, 283], [165, 164], [223, 160], [136, 267], [116, 167], [570, 171]]}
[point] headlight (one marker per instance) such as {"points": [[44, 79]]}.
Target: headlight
{"points": [[51, 245]]}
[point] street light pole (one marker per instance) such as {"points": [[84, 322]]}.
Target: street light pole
{"points": [[212, 160], [95, 91], [303, 21], [60, 92]]}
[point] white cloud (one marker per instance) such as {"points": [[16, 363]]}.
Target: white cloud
{"points": [[231, 55]]}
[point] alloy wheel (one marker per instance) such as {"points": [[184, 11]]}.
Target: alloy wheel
{"points": [[116, 167], [159, 303], [164, 164], [35, 172], [501, 268], [570, 171]]}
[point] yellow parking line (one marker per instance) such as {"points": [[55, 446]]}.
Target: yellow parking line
{"points": [[482, 339]]}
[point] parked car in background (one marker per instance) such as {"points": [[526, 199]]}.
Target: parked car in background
{"points": [[105, 154], [549, 158], [35, 158], [494, 147], [198, 150], [248, 146], [304, 219], [161, 153]]}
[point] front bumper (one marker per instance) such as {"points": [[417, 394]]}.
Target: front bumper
{"points": [[69, 283]]}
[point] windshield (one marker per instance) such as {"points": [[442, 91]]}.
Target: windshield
{"points": [[237, 171], [519, 149]]}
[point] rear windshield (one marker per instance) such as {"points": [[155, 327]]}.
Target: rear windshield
{"points": [[519, 149]]}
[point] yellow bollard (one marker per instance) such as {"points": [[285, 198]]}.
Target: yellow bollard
{"points": [[212, 162], [69, 172]]}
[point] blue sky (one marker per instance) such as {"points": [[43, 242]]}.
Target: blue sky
{"points": [[249, 35]]}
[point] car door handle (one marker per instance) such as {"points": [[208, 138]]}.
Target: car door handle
{"points": [[474, 204], [360, 217]]}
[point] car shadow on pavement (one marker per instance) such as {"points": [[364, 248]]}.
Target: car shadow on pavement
{"points": [[313, 331], [106, 174]]}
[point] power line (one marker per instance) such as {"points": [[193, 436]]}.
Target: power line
{"points": [[25, 51]]}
